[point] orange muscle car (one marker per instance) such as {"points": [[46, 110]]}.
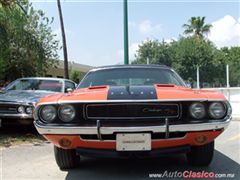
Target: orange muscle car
{"points": [[132, 111]]}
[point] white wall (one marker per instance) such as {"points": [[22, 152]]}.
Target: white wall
{"points": [[233, 95]]}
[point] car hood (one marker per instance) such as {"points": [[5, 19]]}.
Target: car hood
{"points": [[160, 92], [23, 96]]}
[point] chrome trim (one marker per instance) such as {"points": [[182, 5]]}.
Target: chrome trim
{"points": [[86, 111], [22, 116], [16, 103], [167, 128], [225, 107], [59, 114], [99, 135], [44, 78], [38, 111], [65, 130], [134, 66], [147, 100]]}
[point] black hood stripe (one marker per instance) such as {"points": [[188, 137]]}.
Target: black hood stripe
{"points": [[131, 92]]}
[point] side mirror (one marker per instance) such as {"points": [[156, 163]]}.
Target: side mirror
{"points": [[188, 85], [2, 90], [69, 90]]}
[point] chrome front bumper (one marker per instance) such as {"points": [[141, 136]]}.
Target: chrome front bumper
{"points": [[101, 130], [20, 116]]}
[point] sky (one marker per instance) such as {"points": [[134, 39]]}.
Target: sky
{"points": [[94, 28]]}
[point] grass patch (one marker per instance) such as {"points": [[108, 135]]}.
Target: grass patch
{"points": [[9, 140], [16, 135]]}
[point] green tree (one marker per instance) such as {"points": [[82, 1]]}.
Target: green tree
{"points": [[230, 56], [183, 55], [7, 4], [74, 76], [190, 53], [197, 27], [28, 46], [157, 53]]}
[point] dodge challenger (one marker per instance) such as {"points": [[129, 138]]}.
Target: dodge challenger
{"points": [[137, 111], [17, 100]]}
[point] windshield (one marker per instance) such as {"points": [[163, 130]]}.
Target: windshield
{"points": [[36, 84], [131, 76]]}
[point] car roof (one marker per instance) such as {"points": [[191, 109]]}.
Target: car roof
{"points": [[46, 78], [130, 66]]}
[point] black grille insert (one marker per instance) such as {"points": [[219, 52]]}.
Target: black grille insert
{"points": [[172, 135], [8, 108], [132, 111]]}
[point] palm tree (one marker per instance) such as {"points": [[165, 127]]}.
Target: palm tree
{"points": [[197, 27], [65, 54]]}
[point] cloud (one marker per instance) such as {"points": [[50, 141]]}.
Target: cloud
{"points": [[225, 32], [147, 27], [133, 50]]}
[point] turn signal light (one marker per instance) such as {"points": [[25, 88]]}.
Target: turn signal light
{"points": [[65, 142], [201, 139]]}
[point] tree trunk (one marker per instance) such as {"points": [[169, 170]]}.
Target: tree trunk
{"points": [[66, 74]]}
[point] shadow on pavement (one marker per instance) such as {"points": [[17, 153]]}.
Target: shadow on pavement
{"points": [[19, 134], [141, 168], [10, 129]]}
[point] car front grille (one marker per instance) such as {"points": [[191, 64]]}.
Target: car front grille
{"points": [[8, 108], [132, 111]]}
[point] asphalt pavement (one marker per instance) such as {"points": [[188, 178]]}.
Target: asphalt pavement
{"points": [[37, 162]]}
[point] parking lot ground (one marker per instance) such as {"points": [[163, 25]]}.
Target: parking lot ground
{"points": [[37, 162]]}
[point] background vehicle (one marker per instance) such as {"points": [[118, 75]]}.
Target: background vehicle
{"points": [[19, 97]]}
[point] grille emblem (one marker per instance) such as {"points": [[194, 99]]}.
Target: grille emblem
{"points": [[151, 110], [157, 110]]}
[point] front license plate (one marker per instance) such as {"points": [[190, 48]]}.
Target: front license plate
{"points": [[133, 142]]}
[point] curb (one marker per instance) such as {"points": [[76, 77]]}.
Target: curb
{"points": [[236, 118]]}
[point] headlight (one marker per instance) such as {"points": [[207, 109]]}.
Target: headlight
{"points": [[29, 110], [21, 109], [67, 113], [48, 113], [217, 110], [197, 110]]}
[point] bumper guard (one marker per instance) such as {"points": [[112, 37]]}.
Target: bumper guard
{"points": [[101, 130]]}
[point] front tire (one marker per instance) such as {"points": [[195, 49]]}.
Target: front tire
{"points": [[201, 155], [66, 158]]}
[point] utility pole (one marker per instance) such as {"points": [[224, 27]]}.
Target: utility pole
{"points": [[198, 83], [125, 26], [65, 54], [228, 85], [227, 72]]}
